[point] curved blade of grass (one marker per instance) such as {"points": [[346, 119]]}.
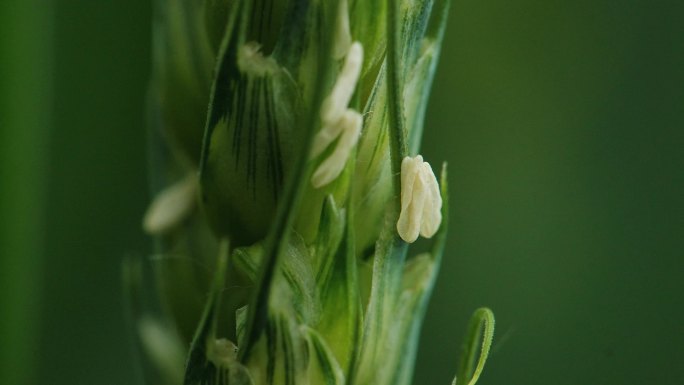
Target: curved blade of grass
{"points": [[481, 325]]}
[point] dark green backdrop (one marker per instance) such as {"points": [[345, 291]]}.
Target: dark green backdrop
{"points": [[563, 125]]}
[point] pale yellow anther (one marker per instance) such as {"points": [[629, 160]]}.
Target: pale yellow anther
{"points": [[336, 103], [171, 206], [339, 123], [349, 127], [421, 202]]}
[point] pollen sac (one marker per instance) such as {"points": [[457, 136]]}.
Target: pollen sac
{"points": [[339, 122], [347, 128], [421, 202]]}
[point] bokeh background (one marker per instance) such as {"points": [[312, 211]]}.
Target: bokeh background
{"points": [[563, 125]]}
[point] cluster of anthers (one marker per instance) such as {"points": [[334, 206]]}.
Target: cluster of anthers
{"points": [[338, 121], [421, 202]]}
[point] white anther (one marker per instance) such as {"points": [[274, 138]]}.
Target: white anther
{"points": [[171, 206], [250, 60], [336, 103], [349, 129], [342, 33], [421, 202], [326, 136], [338, 121]]}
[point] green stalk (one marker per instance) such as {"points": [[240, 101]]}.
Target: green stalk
{"points": [[395, 92], [25, 49]]}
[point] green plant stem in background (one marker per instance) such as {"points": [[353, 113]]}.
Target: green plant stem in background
{"points": [[25, 99]]}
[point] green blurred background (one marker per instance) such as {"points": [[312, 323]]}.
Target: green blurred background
{"points": [[563, 125]]}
